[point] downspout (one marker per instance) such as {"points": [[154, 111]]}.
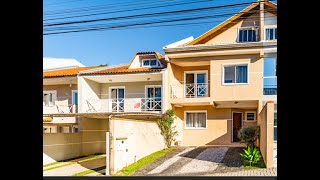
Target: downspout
{"points": [[108, 149], [164, 90]]}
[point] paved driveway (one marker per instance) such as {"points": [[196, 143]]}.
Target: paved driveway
{"points": [[199, 161]]}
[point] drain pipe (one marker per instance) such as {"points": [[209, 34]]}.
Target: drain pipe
{"points": [[108, 145]]}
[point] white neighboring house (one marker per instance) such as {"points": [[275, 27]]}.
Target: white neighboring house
{"points": [[50, 63]]}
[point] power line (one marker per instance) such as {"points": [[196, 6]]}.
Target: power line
{"points": [[118, 11], [144, 15], [61, 2], [136, 24]]}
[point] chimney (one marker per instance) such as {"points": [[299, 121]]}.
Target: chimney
{"points": [[261, 2]]}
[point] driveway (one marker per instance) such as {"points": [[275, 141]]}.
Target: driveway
{"points": [[199, 161]]}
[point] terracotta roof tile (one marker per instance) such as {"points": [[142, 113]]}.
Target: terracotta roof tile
{"points": [[122, 70], [66, 72]]}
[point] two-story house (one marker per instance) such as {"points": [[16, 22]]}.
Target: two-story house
{"points": [[128, 101], [221, 81], [60, 95]]}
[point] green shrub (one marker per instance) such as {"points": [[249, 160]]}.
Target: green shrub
{"points": [[251, 155], [249, 135], [167, 130]]}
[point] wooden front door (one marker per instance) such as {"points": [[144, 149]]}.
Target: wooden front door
{"points": [[237, 121]]}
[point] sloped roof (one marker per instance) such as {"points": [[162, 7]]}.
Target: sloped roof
{"points": [[124, 69], [66, 72], [231, 19]]}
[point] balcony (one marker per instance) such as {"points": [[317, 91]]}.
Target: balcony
{"points": [[190, 94], [270, 85], [123, 105], [59, 106], [194, 90]]}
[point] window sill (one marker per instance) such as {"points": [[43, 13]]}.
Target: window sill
{"points": [[188, 128], [250, 120], [234, 84]]}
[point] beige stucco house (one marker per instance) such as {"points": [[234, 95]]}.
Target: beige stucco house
{"points": [[222, 80], [60, 95]]}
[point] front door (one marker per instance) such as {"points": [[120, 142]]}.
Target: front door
{"points": [[237, 121]]}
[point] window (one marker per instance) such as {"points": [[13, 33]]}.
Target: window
{"points": [[150, 63], [269, 76], [75, 97], [271, 33], [235, 74], [196, 120], [196, 84], [49, 98], [250, 116], [248, 34]]}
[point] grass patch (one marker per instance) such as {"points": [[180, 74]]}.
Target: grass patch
{"points": [[126, 171], [259, 165], [72, 161], [89, 171], [66, 164]]}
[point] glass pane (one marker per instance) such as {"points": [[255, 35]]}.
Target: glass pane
{"points": [[153, 62], [271, 34], [242, 74], [201, 78], [250, 35], [254, 36], [275, 119], [150, 93], [121, 93], [201, 120], [269, 67], [275, 33], [229, 74], [270, 86], [158, 92], [113, 93], [189, 78], [240, 35], [146, 63], [75, 98], [245, 35], [267, 34]]}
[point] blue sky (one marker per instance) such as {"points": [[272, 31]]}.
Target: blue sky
{"points": [[119, 46]]}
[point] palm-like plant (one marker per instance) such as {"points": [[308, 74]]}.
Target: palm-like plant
{"points": [[251, 155]]}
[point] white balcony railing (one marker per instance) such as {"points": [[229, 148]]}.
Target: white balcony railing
{"points": [[194, 90], [123, 105], [59, 106]]}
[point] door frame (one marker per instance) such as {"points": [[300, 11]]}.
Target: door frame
{"points": [[110, 100], [152, 86], [72, 92], [195, 78], [232, 123]]}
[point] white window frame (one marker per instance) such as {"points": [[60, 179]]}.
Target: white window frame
{"points": [[265, 29], [195, 111], [157, 63], [151, 86], [73, 91], [255, 116], [195, 78], [248, 27], [53, 92], [235, 64], [110, 99]]}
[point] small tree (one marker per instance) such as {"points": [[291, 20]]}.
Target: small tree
{"points": [[249, 135], [167, 130]]}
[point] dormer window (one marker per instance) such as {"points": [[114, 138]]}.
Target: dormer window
{"points": [[150, 63], [248, 34]]}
